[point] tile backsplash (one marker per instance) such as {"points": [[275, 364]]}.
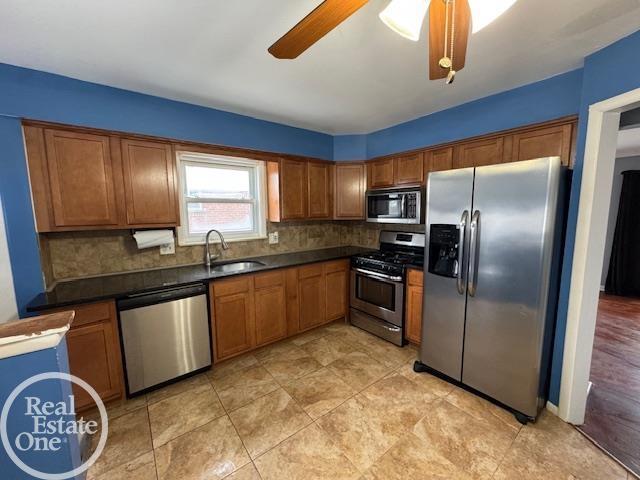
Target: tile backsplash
{"points": [[72, 255]]}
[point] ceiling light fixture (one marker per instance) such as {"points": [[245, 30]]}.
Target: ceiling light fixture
{"points": [[483, 12], [405, 17]]}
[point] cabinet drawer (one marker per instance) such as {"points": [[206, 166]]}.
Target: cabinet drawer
{"points": [[336, 266], [416, 277], [310, 271], [231, 286], [269, 279], [89, 313]]}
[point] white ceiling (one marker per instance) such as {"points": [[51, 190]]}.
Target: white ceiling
{"points": [[628, 142], [359, 78]]}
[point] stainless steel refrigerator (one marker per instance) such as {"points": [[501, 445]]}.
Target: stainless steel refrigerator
{"points": [[492, 258]]}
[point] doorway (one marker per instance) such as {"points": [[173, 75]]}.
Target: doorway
{"points": [[612, 417], [585, 305]]}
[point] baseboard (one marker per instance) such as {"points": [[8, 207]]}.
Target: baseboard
{"points": [[552, 408], [602, 288]]}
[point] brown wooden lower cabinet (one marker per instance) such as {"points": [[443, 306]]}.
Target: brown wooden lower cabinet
{"points": [[337, 289], [311, 288], [415, 289], [250, 311], [270, 307], [93, 344], [232, 316]]}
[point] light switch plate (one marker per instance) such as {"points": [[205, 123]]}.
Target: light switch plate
{"points": [[168, 249], [273, 238]]}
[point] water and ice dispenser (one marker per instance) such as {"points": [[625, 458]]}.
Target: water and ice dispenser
{"points": [[443, 250]]}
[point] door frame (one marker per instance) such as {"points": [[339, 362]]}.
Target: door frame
{"points": [[588, 256]]}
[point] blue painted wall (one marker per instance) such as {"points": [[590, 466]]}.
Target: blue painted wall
{"points": [[18, 214], [43, 96], [545, 100], [607, 73], [349, 147]]}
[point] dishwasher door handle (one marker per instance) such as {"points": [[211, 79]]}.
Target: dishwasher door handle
{"points": [[138, 300]]}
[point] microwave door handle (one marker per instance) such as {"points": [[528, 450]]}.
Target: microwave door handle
{"points": [[464, 220], [403, 206], [473, 253]]}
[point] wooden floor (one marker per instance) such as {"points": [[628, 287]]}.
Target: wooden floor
{"points": [[613, 407]]}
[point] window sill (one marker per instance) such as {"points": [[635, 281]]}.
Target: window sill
{"points": [[216, 240]]}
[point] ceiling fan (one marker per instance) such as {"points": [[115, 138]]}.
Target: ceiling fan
{"points": [[449, 25]]}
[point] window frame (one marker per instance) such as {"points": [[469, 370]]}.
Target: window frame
{"points": [[257, 178]]}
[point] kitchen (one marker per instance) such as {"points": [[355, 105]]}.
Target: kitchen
{"points": [[255, 300]]}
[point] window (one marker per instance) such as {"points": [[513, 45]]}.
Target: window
{"points": [[225, 193]]}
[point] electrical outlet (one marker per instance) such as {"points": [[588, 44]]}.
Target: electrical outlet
{"points": [[168, 249], [273, 238]]}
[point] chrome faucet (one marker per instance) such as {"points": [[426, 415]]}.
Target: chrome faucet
{"points": [[208, 258]]}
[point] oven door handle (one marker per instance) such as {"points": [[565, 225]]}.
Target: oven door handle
{"points": [[377, 275]]}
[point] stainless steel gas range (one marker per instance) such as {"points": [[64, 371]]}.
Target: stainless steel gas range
{"points": [[377, 284]]}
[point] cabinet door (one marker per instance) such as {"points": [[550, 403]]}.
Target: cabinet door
{"points": [[479, 153], [413, 328], [543, 142], [81, 179], [271, 314], [337, 281], [319, 189], [150, 183], [409, 169], [94, 357], [311, 295], [233, 317], [380, 173], [293, 189], [349, 191], [441, 159]]}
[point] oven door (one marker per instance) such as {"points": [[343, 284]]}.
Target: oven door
{"points": [[382, 207], [378, 295]]}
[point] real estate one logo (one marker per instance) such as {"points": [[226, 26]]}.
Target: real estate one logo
{"points": [[50, 425]]}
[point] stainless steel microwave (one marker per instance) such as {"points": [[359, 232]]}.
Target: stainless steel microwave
{"points": [[397, 205]]}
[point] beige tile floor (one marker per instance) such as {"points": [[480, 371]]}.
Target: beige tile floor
{"points": [[334, 403]]}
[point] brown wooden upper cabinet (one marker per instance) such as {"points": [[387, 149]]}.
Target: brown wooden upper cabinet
{"points": [[299, 189], [380, 173], [74, 179], [479, 153], [287, 186], [408, 169], [349, 190], [437, 160], [150, 182], [84, 181], [398, 171], [544, 142], [319, 189]]}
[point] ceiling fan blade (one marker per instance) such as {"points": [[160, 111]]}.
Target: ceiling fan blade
{"points": [[437, 17], [327, 16]]}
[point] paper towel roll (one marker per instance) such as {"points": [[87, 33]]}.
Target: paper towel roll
{"points": [[153, 238]]}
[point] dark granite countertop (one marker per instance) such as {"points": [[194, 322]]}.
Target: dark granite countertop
{"points": [[121, 285]]}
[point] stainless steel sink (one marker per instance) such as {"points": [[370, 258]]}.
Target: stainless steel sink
{"points": [[236, 266]]}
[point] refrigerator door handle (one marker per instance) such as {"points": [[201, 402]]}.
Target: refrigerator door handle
{"points": [[473, 260], [461, 239]]}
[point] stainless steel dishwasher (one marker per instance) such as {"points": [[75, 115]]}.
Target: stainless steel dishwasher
{"points": [[165, 335]]}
